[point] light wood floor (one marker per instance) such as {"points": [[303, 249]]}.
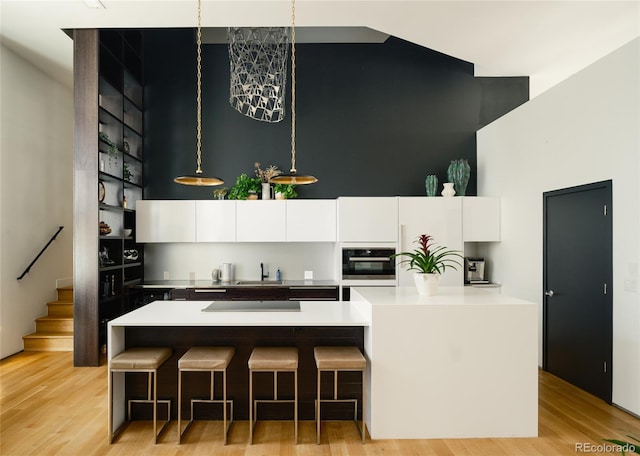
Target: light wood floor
{"points": [[48, 407]]}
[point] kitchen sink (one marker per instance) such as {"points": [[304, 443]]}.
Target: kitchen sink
{"points": [[259, 282]]}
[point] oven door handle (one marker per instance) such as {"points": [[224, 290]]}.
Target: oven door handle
{"points": [[369, 259]]}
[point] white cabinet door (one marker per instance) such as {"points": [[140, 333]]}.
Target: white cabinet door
{"points": [[481, 219], [215, 221], [311, 220], [165, 221], [440, 218], [368, 219], [261, 221]]}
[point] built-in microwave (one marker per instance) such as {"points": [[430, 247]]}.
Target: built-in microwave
{"points": [[368, 263]]}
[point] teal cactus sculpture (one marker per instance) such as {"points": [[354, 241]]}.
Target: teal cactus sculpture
{"points": [[431, 184], [459, 172]]}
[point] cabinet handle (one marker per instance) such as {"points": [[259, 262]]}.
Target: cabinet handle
{"points": [[313, 288], [305, 298], [354, 259], [210, 290]]}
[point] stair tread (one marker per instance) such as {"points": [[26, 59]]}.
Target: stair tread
{"points": [[49, 334], [54, 318], [59, 302]]}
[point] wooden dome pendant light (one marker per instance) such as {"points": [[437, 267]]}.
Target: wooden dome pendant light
{"points": [[293, 177], [198, 179]]}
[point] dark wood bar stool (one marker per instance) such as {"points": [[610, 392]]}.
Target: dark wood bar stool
{"points": [[340, 359], [212, 360], [140, 359], [275, 360]]}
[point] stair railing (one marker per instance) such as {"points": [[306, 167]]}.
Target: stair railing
{"points": [[41, 252]]}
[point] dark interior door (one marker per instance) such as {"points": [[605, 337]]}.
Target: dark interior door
{"points": [[577, 309]]}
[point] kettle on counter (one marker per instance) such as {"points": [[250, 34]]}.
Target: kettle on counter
{"points": [[226, 272]]}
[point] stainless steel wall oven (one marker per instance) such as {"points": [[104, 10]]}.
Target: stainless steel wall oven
{"points": [[368, 263]]}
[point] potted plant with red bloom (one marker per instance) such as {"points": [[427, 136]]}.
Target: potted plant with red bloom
{"points": [[429, 261]]}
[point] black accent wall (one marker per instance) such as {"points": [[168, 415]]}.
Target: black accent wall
{"points": [[372, 119]]}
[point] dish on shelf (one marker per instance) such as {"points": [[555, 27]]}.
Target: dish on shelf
{"points": [[104, 228], [101, 191]]}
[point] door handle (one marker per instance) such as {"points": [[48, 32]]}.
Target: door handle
{"points": [[549, 293]]}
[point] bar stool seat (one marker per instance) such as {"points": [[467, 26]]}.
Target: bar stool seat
{"points": [[339, 359], [212, 360], [140, 359], [273, 359]]}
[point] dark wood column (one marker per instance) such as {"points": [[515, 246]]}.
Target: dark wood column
{"points": [[85, 200]]}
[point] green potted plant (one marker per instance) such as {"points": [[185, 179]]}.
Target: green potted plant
{"points": [[245, 188], [285, 191], [429, 262]]}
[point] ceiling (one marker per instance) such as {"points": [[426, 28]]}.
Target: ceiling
{"points": [[545, 40]]}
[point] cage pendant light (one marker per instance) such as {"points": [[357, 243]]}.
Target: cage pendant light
{"points": [[199, 179], [293, 177], [258, 71]]}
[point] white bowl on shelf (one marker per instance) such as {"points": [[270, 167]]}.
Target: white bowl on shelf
{"points": [[128, 232]]}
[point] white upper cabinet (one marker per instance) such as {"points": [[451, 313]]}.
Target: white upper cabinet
{"points": [[368, 219], [311, 220], [215, 221], [481, 219], [451, 221], [165, 221], [261, 221], [440, 218]]}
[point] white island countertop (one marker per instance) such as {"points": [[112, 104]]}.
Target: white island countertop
{"points": [[189, 313], [446, 296]]}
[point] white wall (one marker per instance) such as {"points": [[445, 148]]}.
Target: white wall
{"points": [[584, 130], [179, 260], [36, 167]]}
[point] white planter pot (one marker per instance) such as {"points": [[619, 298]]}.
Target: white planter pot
{"points": [[448, 189], [427, 284], [266, 191]]}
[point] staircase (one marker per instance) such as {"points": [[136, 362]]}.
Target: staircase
{"points": [[55, 331]]}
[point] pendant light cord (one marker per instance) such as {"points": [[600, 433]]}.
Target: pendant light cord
{"points": [[293, 86], [199, 180], [199, 92]]}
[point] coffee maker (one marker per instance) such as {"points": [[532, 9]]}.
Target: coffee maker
{"points": [[474, 270]]}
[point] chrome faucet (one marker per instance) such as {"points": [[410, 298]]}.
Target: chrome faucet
{"points": [[262, 274]]}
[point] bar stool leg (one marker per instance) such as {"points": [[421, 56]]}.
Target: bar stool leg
{"points": [[155, 404], [363, 429], [318, 409], [110, 394], [251, 407], [179, 406], [295, 404], [224, 401]]}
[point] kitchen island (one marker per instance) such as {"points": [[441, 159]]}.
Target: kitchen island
{"points": [[461, 364], [183, 324]]}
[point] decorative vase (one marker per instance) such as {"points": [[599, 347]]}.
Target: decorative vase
{"points": [[448, 189], [431, 184], [459, 172], [426, 284], [266, 191]]}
